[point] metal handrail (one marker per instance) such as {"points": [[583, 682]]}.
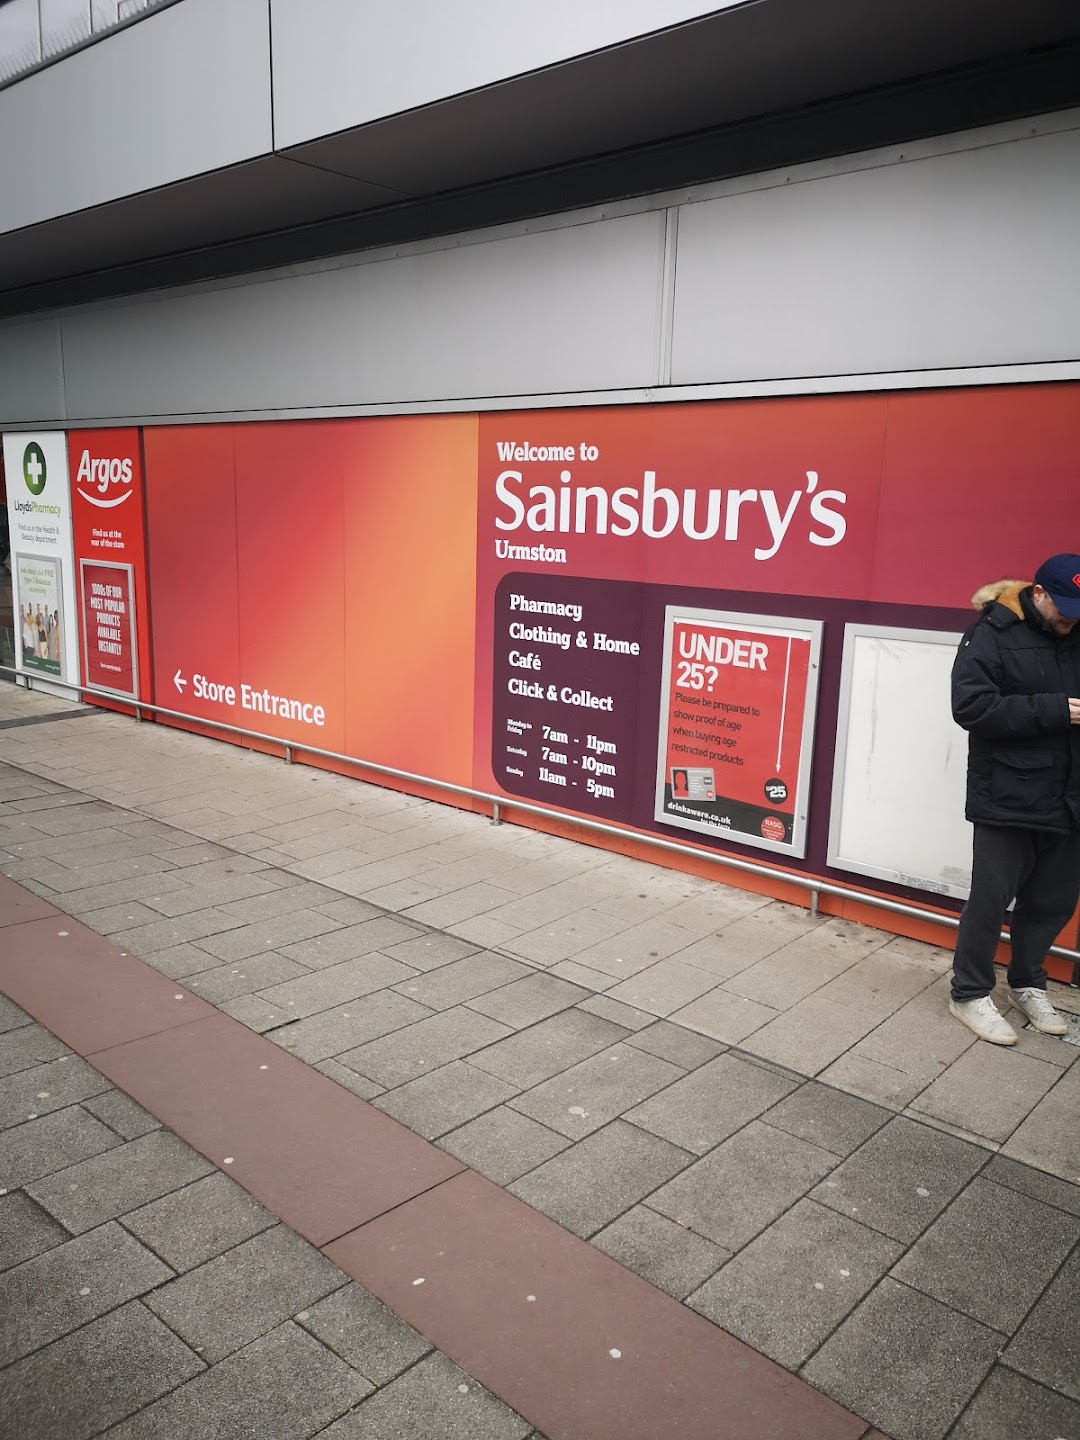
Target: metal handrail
{"points": [[500, 803]]}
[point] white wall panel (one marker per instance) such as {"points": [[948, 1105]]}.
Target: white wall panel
{"points": [[960, 259], [566, 309], [184, 91], [391, 57], [30, 372]]}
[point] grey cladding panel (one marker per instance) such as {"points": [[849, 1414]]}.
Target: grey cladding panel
{"points": [[30, 373], [960, 259], [569, 309]]}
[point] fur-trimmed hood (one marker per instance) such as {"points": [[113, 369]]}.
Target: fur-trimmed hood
{"points": [[1005, 592]]}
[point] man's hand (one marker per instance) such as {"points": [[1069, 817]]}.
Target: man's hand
{"points": [[1074, 711]]}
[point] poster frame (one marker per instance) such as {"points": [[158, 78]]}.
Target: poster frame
{"points": [[769, 624], [853, 632], [133, 633]]}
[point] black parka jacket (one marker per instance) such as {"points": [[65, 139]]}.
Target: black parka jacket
{"points": [[1011, 683]]}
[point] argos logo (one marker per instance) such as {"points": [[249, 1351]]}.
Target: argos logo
{"points": [[103, 476]]}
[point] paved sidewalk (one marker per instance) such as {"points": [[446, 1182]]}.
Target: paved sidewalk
{"points": [[769, 1116]]}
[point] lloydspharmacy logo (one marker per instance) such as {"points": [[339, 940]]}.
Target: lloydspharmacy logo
{"points": [[33, 468]]}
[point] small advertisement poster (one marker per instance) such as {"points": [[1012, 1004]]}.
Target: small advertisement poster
{"points": [[39, 516], [39, 622], [738, 696], [107, 608]]}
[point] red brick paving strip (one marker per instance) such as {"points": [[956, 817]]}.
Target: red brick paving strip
{"points": [[327, 1163]]}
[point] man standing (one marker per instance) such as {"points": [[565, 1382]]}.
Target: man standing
{"points": [[1016, 691]]}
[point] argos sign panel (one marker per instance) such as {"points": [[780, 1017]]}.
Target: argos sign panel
{"points": [[108, 521]]}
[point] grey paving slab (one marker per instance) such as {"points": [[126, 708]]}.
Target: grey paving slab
{"points": [[921, 1039], [885, 981], [209, 926], [615, 1011], [433, 1399], [228, 982], [105, 1186], [528, 1000], [364, 1333], [40, 1147], [350, 1080], [344, 1028], [636, 948], [585, 1187], [988, 1091], [788, 1290], [743, 1185], [89, 1380], [1049, 1137], [351, 941], [120, 1113], [1047, 1345], [245, 1292], [256, 1013], [25, 1230], [724, 1016], [1009, 1406], [45, 1088], [582, 975], [443, 1099], [395, 1059], [323, 989], [11, 1017], [1062, 1194], [283, 1386], [1005, 1280], [114, 919], [881, 1084], [902, 1178], [936, 1361], [283, 900], [811, 1035], [241, 942], [28, 1046], [667, 1255], [712, 1102], [566, 936], [672, 1042], [503, 1145], [664, 987], [463, 980], [181, 961], [593, 1092], [427, 951], [806, 964], [827, 1117], [228, 891], [191, 1225], [535, 1054], [56, 1292]]}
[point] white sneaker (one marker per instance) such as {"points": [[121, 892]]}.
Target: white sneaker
{"points": [[1038, 1010], [985, 1019]]}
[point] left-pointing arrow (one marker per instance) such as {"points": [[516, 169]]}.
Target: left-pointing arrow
{"points": [[179, 681]]}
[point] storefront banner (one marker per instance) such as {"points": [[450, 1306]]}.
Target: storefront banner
{"points": [[109, 532], [738, 698], [39, 521]]}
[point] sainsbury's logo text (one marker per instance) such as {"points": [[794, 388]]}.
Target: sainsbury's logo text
{"points": [[657, 511]]}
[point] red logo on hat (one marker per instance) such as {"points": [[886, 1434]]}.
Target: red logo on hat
{"points": [[1076, 581]]}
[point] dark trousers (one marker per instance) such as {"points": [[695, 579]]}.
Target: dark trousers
{"points": [[1041, 871]]}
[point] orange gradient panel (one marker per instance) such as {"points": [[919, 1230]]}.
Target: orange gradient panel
{"points": [[410, 593], [979, 485], [191, 539], [290, 482]]}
